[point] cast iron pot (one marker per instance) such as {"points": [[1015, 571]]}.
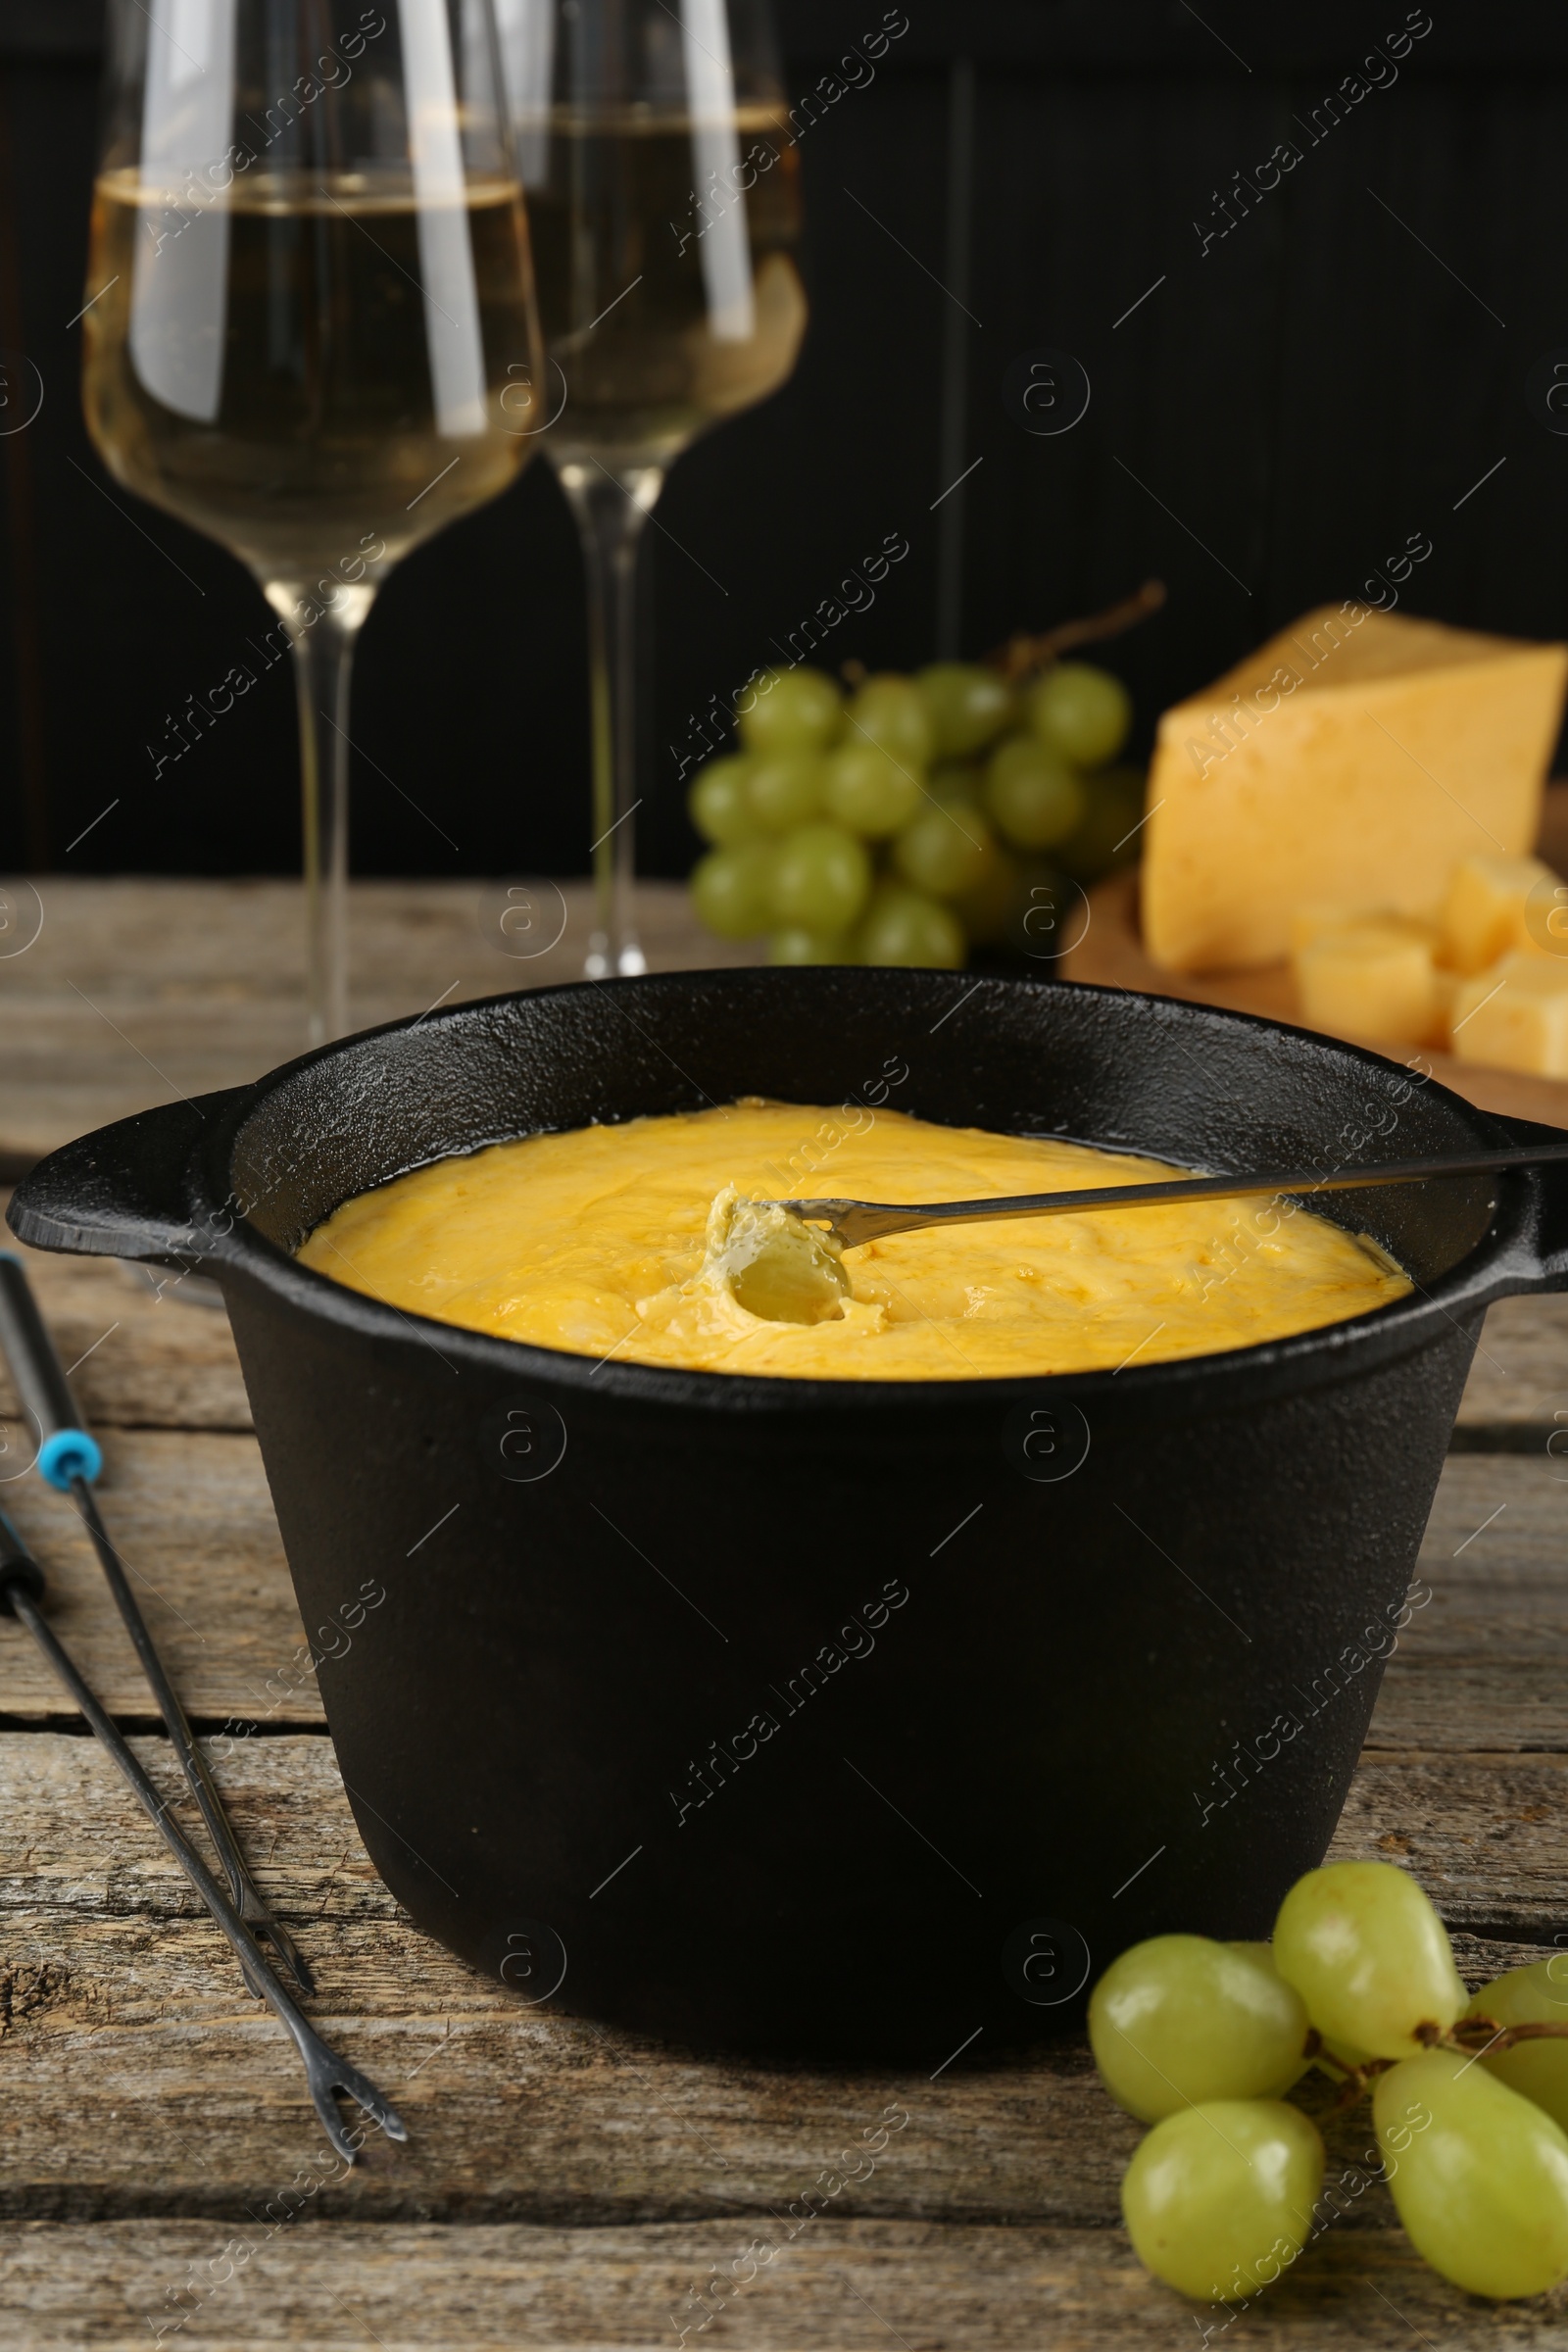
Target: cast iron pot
{"points": [[831, 1718]]}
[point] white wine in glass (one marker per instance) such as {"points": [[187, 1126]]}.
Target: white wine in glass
{"points": [[663, 189], [311, 329]]}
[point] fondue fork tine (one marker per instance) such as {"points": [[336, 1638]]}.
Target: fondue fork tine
{"points": [[22, 1589], [69, 1460], [854, 1222]]}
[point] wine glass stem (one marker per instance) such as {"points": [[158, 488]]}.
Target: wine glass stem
{"points": [[611, 510], [323, 656]]}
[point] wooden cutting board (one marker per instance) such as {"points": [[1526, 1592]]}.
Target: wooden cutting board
{"points": [[1111, 954]]}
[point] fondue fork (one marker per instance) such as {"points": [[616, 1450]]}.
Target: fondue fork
{"points": [[853, 1222], [68, 1460], [21, 1588]]}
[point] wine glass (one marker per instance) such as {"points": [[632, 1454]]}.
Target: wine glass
{"points": [[661, 184], [312, 331]]}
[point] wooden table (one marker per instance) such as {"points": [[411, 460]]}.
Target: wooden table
{"points": [[159, 2166]]}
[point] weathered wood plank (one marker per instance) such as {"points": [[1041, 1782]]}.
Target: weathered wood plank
{"points": [[1520, 1373], [1484, 1662], [140, 1355], [193, 1521], [1486, 1835], [841, 2287], [111, 1980], [135, 992], [515, 2112]]}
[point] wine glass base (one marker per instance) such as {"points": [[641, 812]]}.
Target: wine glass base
{"points": [[602, 964]]}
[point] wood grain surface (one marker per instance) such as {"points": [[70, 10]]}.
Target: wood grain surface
{"points": [[161, 2176], [845, 2286], [124, 994]]}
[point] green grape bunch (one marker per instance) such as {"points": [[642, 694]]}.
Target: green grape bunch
{"points": [[1204, 2042], [912, 820]]}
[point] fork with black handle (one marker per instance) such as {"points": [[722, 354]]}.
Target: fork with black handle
{"points": [[70, 1460]]}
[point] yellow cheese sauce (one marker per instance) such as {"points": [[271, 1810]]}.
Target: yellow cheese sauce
{"points": [[592, 1241]]}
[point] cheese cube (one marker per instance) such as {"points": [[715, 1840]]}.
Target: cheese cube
{"points": [[1484, 917], [1310, 921], [1358, 759], [1515, 1017], [1372, 979]]}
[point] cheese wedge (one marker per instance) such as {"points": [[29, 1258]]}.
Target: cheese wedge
{"points": [[1356, 759], [1515, 1016]]}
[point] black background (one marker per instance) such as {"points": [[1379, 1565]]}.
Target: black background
{"points": [[1265, 429]]}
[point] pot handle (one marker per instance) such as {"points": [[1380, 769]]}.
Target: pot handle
{"points": [[123, 1190], [1550, 1269]]}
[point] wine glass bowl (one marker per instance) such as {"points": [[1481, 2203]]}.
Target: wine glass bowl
{"points": [[648, 356], [310, 307], [310, 447], [662, 189]]}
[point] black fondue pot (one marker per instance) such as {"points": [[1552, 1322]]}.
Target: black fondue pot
{"points": [[831, 1717]]}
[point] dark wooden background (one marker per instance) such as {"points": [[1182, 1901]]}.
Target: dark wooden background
{"points": [[1275, 419]]}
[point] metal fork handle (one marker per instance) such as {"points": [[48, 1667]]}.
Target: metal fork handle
{"points": [[247, 1896], [324, 2071], [854, 1222], [69, 1460]]}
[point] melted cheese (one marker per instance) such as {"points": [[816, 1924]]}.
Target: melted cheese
{"points": [[592, 1241]]}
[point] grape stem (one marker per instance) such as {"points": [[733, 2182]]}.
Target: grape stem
{"points": [[1357, 2078], [1477, 2036], [1023, 654], [1484, 2034]]}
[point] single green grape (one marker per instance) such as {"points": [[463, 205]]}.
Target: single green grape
{"points": [[892, 711], [970, 705], [1479, 2175], [1108, 836], [867, 790], [821, 879], [732, 889], [785, 790], [1531, 1997], [985, 909], [1180, 2020], [1264, 1955], [719, 804], [1031, 793], [1082, 712], [957, 781], [1370, 1957], [795, 945], [790, 711], [946, 849], [1218, 2199], [903, 926]]}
